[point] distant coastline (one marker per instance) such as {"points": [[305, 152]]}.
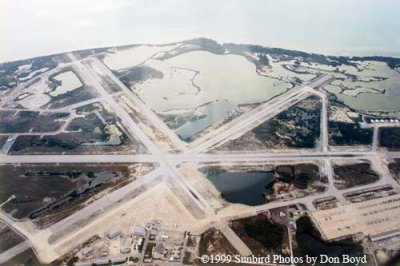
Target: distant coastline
{"points": [[346, 53]]}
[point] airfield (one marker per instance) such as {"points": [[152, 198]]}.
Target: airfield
{"points": [[168, 185]]}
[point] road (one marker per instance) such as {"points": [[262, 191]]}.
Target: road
{"points": [[256, 116], [393, 154], [104, 202], [143, 108], [45, 242], [64, 109], [324, 121], [8, 144], [277, 156], [12, 252], [236, 242], [179, 158], [91, 78], [79, 158], [9, 98], [247, 121], [375, 138], [331, 182]]}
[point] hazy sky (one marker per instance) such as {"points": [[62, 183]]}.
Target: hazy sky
{"points": [[38, 27]]}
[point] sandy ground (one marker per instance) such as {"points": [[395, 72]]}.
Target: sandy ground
{"points": [[202, 184], [37, 97], [158, 202]]}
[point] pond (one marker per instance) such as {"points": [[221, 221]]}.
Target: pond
{"points": [[247, 188]]}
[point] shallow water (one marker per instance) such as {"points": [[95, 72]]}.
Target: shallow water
{"points": [[69, 82], [388, 102], [214, 113], [214, 84], [229, 77]]}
